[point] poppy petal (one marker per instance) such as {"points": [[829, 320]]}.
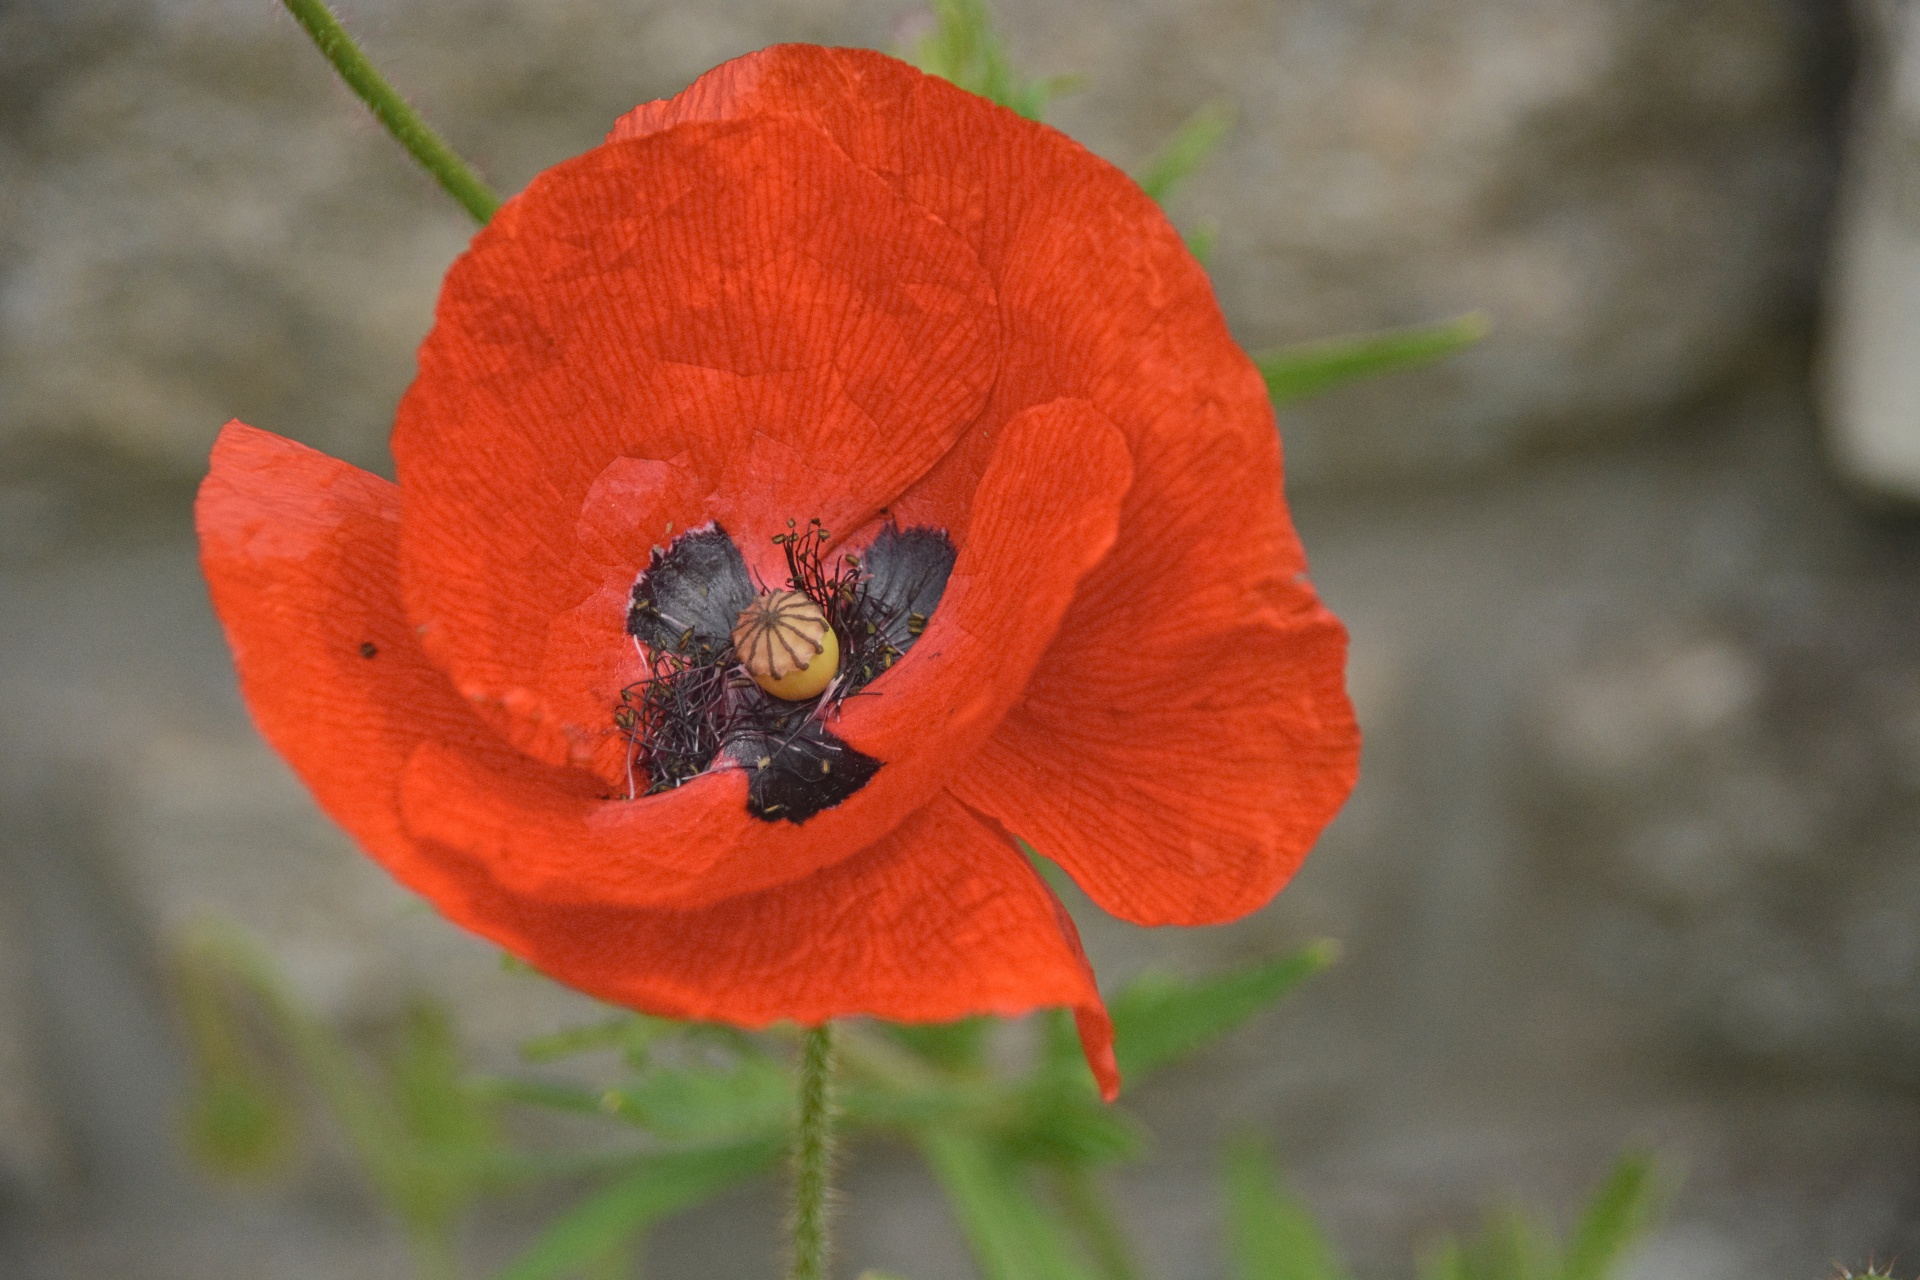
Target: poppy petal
{"points": [[940, 920], [1182, 786], [723, 321], [1044, 515], [1199, 628], [300, 553]]}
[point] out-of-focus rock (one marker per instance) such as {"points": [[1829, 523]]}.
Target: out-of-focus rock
{"points": [[1631, 190], [1873, 321], [33, 1153], [199, 223], [1728, 777]]}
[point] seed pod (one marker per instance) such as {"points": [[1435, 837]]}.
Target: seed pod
{"points": [[785, 644]]}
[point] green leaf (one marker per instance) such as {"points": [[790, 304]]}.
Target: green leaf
{"points": [[965, 49], [1273, 1236], [435, 1102], [755, 1096], [239, 1126], [1295, 373], [1061, 1124], [1084, 1204], [657, 1187], [543, 1093], [631, 1033], [363, 1112], [1186, 150], [1621, 1211], [1158, 1019], [1201, 241], [1010, 1236], [953, 1046], [446, 1152], [1055, 1116], [1513, 1246], [239, 1120]]}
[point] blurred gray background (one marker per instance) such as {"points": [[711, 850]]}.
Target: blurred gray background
{"points": [[1634, 859]]}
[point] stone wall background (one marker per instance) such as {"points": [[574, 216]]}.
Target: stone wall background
{"points": [[1635, 857]]}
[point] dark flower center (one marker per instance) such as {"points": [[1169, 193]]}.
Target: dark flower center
{"points": [[699, 702]]}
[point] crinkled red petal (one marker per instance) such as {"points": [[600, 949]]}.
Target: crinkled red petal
{"points": [[1100, 300], [941, 919], [736, 303], [938, 920], [1180, 779], [300, 553], [1044, 514]]}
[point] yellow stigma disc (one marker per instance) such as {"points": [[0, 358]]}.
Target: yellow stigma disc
{"points": [[784, 642]]}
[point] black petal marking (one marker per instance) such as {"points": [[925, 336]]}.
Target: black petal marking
{"points": [[699, 705], [795, 765], [691, 594], [907, 573]]}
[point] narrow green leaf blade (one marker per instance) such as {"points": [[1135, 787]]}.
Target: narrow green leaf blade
{"points": [[440, 1111], [684, 1104], [1621, 1211], [240, 1126], [1159, 1020], [1010, 1236], [965, 49], [1271, 1233], [1295, 373], [1186, 150], [952, 1046], [628, 1031], [1201, 241], [657, 1187], [1514, 1246], [240, 1120], [363, 1109]]}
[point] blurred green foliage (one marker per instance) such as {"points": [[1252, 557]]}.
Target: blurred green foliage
{"points": [[963, 47], [1298, 372], [1022, 1155], [1273, 1234], [1514, 1246], [1189, 147]]}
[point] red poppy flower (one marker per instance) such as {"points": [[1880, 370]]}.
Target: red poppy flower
{"points": [[820, 325]]}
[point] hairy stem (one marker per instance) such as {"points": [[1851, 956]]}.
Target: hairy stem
{"points": [[813, 1156], [401, 120]]}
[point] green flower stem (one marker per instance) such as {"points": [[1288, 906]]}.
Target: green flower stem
{"points": [[813, 1155], [401, 120]]}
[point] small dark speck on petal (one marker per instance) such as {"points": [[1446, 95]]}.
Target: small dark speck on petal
{"points": [[368, 649]]}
